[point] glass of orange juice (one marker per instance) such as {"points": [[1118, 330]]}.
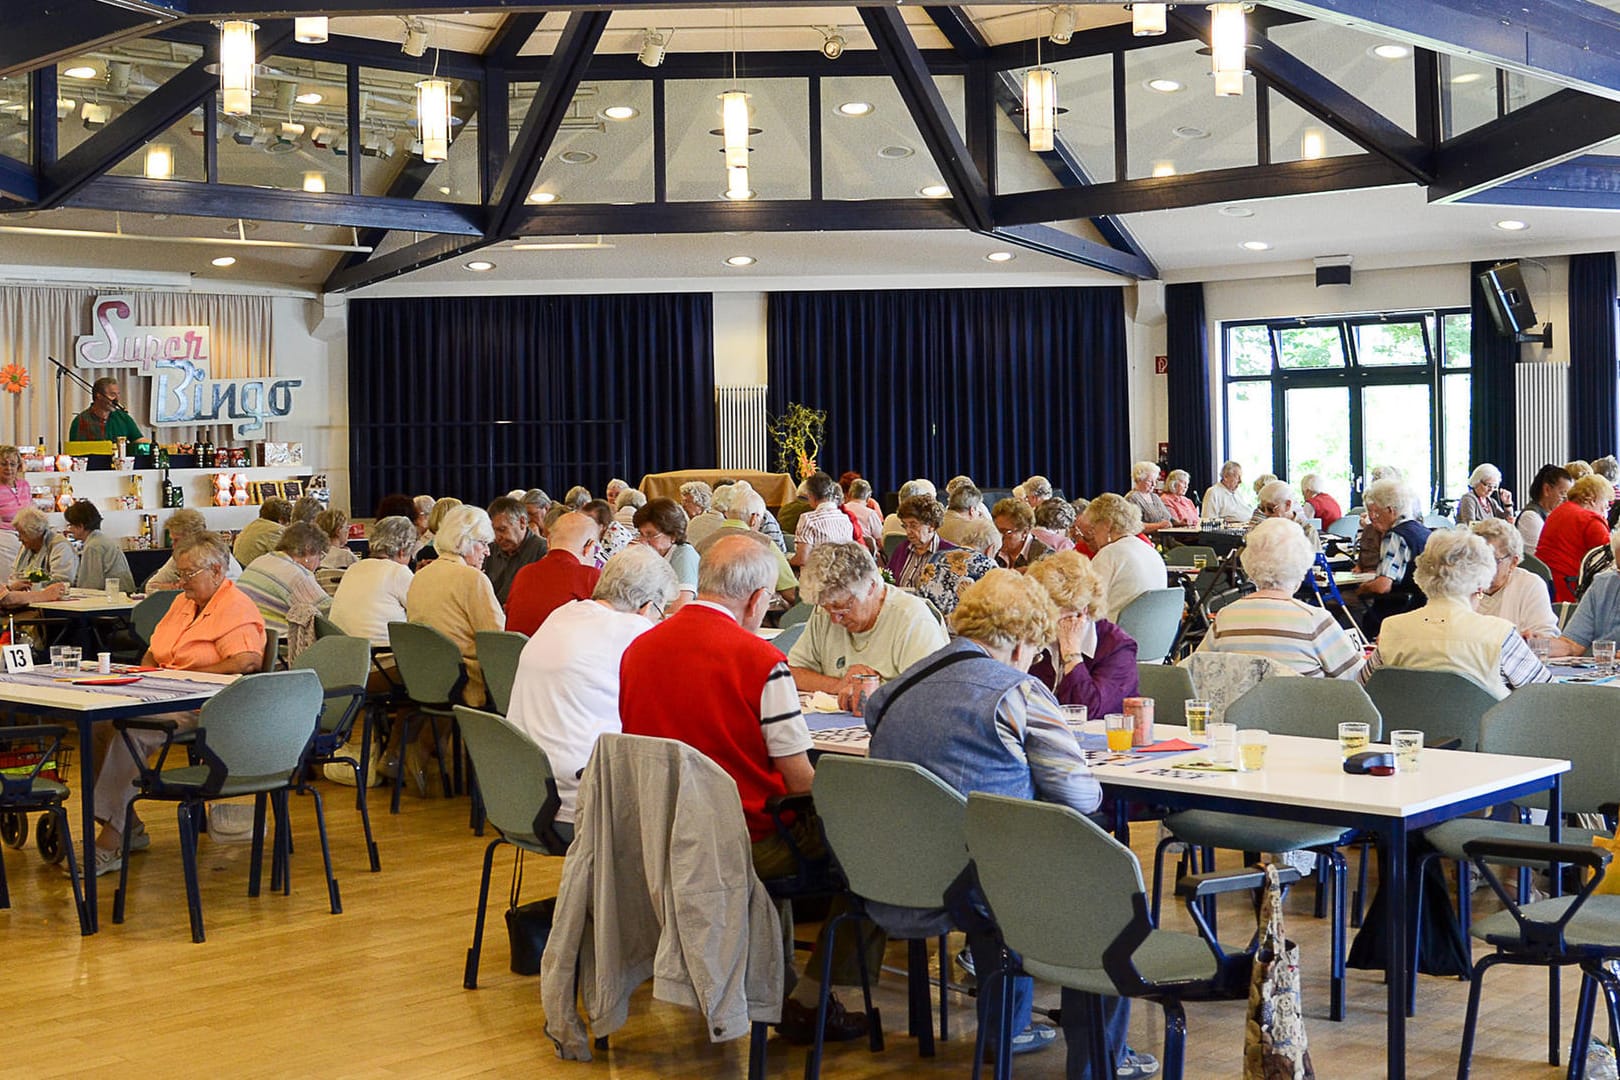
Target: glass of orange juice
{"points": [[1119, 728]]}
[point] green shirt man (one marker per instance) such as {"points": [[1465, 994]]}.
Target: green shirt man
{"points": [[103, 420]]}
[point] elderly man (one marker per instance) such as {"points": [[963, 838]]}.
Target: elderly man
{"points": [[105, 419], [567, 572], [263, 533], [750, 726], [697, 499], [1394, 590], [826, 523], [1222, 501], [745, 513], [1037, 489], [515, 546], [860, 626]]}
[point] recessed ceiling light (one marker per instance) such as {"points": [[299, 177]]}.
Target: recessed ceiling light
{"points": [[81, 71], [1465, 78], [1511, 225], [478, 266], [935, 191], [542, 196], [577, 157], [895, 153], [620, 112], [1164, 168], [311, 98], [1187, 131], [1236, 211], [1165, 86], [741, 260], [1256, 245], [224, 260], [1390, 51], [444, 189], [855, 108], [1000, 256]]}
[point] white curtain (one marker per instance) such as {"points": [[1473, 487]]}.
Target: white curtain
{"points": [[39, 323]]}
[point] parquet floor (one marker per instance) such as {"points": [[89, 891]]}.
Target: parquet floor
{"points": [[282, 988]]}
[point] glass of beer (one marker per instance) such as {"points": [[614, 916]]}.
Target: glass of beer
{"points": [[1407, 745], [1353, 738], [1197, 713], [1251, 749], [1200, 562], [1119, 728]]}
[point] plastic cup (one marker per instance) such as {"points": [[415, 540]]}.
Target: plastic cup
{"points": [[1251, 749], [1353, 737], [1119, 728], [104, 663], [1408, 747], [1197, 713], [1223, 743]]}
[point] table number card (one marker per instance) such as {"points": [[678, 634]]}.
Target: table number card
{"points": [[18, 658]]}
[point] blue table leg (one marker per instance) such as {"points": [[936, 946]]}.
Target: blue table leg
{"points": [[87, 824], [1396, 933], [1555, 887]]}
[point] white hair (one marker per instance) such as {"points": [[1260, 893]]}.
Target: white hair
{"points": [[1277, 554], [722, 495], [913, 488], [745, 504], [609, 491], [1229, 468], [1276, 493], [1390, 493], [1608, 468], [1485, 474], [1142, 470], [1177, 476], [701, 494], [31, 523], [837, 570], [735, 568], [461, 528], [1310, 484], [1500, 535], [1456, 564], [629, 497], [1041, 488], [636, 577], [392, 536]]}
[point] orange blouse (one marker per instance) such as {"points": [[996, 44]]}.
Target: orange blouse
{"points": [[228, 624]]}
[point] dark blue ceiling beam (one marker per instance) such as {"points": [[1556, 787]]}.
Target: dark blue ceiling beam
{"points": [[1543, 133], [784, 215], [1591, 182], [1050, 241], [43, 32], [17, 181], [343, 49], [1107, 40], [417, 256]]}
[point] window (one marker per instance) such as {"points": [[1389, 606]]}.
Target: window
{"points": [[1337, 396]]}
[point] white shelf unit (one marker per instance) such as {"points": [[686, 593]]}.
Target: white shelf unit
{"points": [[104, 486]]}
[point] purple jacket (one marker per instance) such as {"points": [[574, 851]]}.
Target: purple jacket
{"points": [[897, 561], [1101, 683]]}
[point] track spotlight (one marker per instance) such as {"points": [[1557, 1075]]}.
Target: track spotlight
{"points": [[1149, 20], [832, 45], [653, 45], [415, 42], [1063, 20]]}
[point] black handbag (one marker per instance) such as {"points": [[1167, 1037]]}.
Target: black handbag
{"points": [[527, 926]]}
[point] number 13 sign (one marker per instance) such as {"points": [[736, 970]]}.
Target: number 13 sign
{"points": [[18, 658]]}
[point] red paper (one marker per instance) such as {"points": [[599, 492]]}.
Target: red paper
{"points": [[1166, 746]]}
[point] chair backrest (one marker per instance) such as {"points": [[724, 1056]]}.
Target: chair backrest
{"points": [[788, 637], [339, 661], [1169, 686], [1222, 678], [1043, 865], [1560, 720], [150, 611], [514, 778], [1565, 612], [260, 724], [325, 627], [1439, 521], [1152, 620], [1347, 527], [498, 652], [895, 827], [891, 544], [1440, 704], [793, 616], [271, 660], [1313, 708], [1186, 554], [428, 662], [1538, 568]]}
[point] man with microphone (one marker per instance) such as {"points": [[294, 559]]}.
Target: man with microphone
{"points": [[105, 419]]}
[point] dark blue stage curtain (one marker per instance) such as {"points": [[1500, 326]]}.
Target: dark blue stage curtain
{"points": [[1592, 372], [475, 396], [1187, 346], [1494, 393], [994, 383]]}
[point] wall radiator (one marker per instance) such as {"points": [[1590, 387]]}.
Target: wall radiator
{"points": [[1543, 420], [740, 427]]}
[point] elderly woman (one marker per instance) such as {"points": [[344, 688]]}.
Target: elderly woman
{"points": [[535, 504], [46, 555], [1271, 622], [615, 535], [1394, 587], [1576, 527], [1324, 507], [1053, 520], [182, 525], [1183, 511], [1446, 633], [15, 493], [859, 506], [921, 515], [975, 508], [1144, 478], [1514, 594], [1222, 501], [100, 559], [615, 488], [1090, 661], [861, 626], [625, 505], [424, 507], [577, 497], [334, 525], [703, 517], [441, 508], [1547, 492], [283, 585], [1015, 521], [1277, 500], [1578, 468], [911, 489], [963, 503], [1037, 489], [1126, 564], [661, 525], [372, 592], [1485, 497], [950, 572], [453, 595], [212, 626]]}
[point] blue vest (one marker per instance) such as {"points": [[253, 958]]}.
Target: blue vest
{"points": [[1416, 535], [944, 719]]}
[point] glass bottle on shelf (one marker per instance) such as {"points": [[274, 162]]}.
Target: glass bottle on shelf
{"points": [[167, 501]]}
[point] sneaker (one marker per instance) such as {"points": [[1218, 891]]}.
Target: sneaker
{"points": [[139, 839], [1033, 1038], [230, 823], [798, 1024], [964, 960], [1134, 1064], [108, 861]]}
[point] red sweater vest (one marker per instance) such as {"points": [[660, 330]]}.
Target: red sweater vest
{"points": [[697, 677]]}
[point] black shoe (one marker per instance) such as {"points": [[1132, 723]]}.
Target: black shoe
{"points": [[798, 1024]]}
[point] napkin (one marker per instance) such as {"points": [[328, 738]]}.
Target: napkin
{"points": [[1166, 746], [821, 701]]}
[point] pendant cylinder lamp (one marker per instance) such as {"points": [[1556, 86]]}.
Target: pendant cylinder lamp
{"points": [[310, 29], [734, 128], [1148, 20], [1040, 107], [433, 118], [237, 57], [1228, 40], [737, 183]]}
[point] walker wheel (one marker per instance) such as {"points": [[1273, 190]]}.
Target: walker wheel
{"points": [[48, 838], [14, 828]]}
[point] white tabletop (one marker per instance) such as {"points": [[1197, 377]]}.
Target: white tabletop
{"points": [[61, 694], [92, 602]]}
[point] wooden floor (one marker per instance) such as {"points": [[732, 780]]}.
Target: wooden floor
{"points": [[282, 988]]}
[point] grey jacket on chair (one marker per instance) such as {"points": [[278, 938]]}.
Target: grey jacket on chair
{"points": [[659, 883]]}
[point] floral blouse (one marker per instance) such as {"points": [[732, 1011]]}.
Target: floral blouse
{"points": [[942, 580]]}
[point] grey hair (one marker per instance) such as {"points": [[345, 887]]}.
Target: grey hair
{"points": [[1309, 484], [392, 536], [726, 494], [630, 497], [1040, 487], [1501, 536], [745, 504], [616, 482], [860, 490], [635, 577], [535, 497], [205, 547], [1277, 554], [1455, 563], [577, 496], [1390, 493], [461, 528], [700, 493], [979, 533], [1490, 474], [303, 538], [424, 504], [1608, 468], [1386, 472], [735, 568], [1177, 476], [918, 487], [189, 522], [31, 523], [306, 508], [1054, 514], [1229, 467], [1274, 493], [1116, 512], [964, 497], [834, 571], [958, 481], [1144, 470]]}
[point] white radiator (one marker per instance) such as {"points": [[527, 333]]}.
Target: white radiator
{"points": [[1542, 419], [740, 420]]}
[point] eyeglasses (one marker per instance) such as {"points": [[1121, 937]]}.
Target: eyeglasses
{"points": [[187, 575]]}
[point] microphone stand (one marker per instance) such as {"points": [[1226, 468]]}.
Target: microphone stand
{"points": [[62, 370]]}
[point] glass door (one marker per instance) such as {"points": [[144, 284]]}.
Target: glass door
{"points": [[1319, 439], [1397, 428]]}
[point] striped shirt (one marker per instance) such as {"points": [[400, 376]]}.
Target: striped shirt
{"points": [[826, 524], [1302, 638], [1031, 725]]}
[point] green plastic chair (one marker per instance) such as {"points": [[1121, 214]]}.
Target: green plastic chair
{"points": [[1440, 704], [498, 652], [430, 666], [23, 791], [788, 638], [1538, 568], [1153, 620], [149, 611], [325, 627], [1345, 527], [896, 830], [1310, 708], [795, 615], [343, 664], [250, 741], [1169, 686], [520, 799], [891, 544], [1042, 866], [1186, 555]]}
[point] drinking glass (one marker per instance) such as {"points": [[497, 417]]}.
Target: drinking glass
{"points": [[1200, 562], [115, 588], [71, 655], [1541, 645], [1406, 745], [1075, 717], [1251, 749], [1603, 653], [1119, 728], [1353, 737], [58, 659], [1223, 743], [1197, 712]]}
